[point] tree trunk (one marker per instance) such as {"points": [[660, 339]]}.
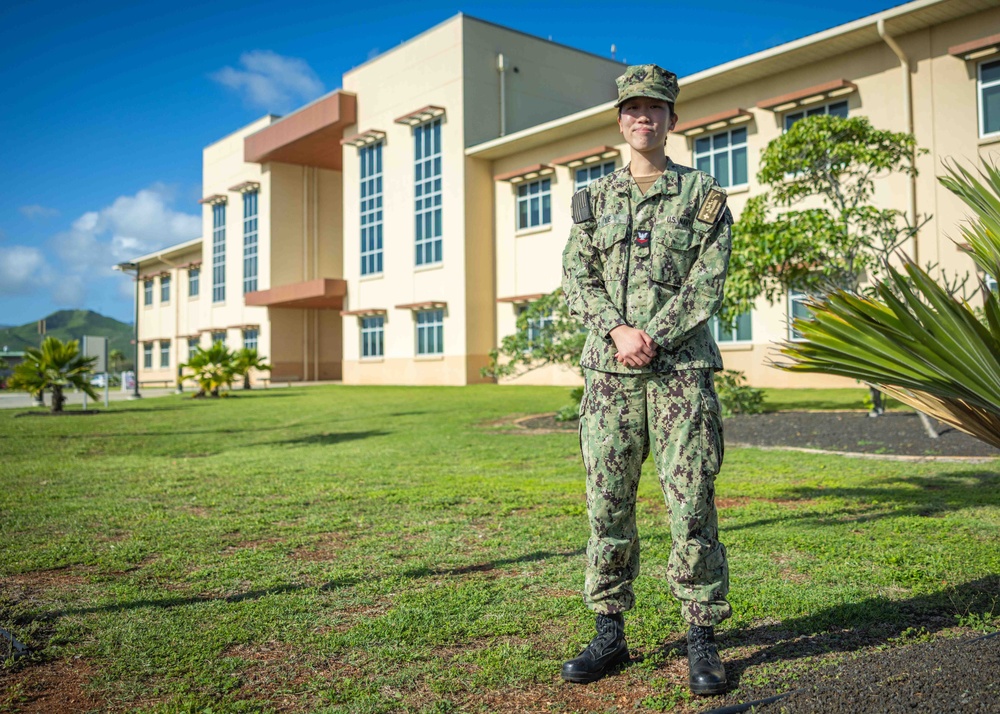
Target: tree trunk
{"points": [[246, 381], [57, 398]]}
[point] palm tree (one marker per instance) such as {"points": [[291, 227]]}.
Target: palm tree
{"points": [[117, 359], [247, 359], [913, 338], [55, 366], [211, 368]]}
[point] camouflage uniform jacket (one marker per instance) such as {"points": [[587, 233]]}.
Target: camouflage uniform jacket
{"points": [[656, 262]]}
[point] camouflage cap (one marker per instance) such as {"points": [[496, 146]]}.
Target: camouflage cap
{"points": [[647, 80]]}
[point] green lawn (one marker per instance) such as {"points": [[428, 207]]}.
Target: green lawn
{"points": [[365, 549]]}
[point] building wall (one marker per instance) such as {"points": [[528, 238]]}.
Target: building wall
{"points": [[944, 94]]}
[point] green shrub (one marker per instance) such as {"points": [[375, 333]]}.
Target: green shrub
{"points": [[736, 396]]}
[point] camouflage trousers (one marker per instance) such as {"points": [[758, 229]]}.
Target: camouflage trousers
{"points": [[677, 416]]}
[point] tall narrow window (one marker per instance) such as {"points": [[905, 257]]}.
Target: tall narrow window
{"points": [[584, 176], [837, 109], [147, 292], [430, 332], [371, 209], [147, 355], [536, 328], [249, 242], [164, 353], [373, 336], [989, 98], [164, 288], [724, 156], [193, 344], [427, 173], [194, 282], [797, 310], [534, 204], [218, 252], [250, 338], [219, 336]]}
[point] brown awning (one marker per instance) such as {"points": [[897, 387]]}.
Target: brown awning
{"points": [[525, 173], [322, 293], [521, 299], [788, 101], [245, 187], [309, 137], [595, 153], [364, 138], [364, 312], [426, 305], [420, 115], [214, 198], [977, 48], [718, 120]]}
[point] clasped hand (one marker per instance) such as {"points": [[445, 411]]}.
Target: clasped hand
{"points": [[635, 347]]}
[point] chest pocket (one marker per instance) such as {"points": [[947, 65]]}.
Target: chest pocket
{"points": [[675, 248], [610, 240]]}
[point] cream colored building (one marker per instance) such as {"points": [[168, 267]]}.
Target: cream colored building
{"points": [[402, 221]]}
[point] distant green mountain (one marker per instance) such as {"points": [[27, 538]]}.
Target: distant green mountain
{"points": [[69, 325]]}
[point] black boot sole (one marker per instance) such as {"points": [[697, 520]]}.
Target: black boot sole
{"points": [[587, 678], [705, 689]]}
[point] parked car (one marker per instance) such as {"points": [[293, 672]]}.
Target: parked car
{"points": [[99, 380]]}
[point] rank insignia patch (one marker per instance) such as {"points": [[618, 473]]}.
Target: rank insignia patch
{"points": [[713, 206], [642, 237]]}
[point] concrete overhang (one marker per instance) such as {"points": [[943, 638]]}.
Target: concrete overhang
{"points": [[309, 136], [322, 293], [170, 253]]}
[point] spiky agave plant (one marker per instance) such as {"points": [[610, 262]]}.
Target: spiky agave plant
{"points": [[911, 337]]}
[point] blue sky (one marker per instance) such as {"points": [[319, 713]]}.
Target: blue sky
{"points": [[107, 105]]}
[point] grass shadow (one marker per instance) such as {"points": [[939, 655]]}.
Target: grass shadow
{"points": [[492, 564], [330, 439]]}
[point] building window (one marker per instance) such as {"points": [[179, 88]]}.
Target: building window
{"points": [[249, 242], [250, 339], [724, 156], [989, 98], [797, 310], [371, 209], [536, 326], [373, 336], [588, 174], [430, 332], [837, 109], [991, 283], [164, 288], [147, 355], [194, 281], [534, 204], [739, 330], [147, 292], [427, 168], [219, 336], [164, 353], [218, 252], [193, 344]]}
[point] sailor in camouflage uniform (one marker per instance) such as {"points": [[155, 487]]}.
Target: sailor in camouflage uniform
{"points": [[644, 270]]}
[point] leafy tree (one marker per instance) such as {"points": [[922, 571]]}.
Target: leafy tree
{"points": [[838, 238], [245, 360], [912, 337], [546, 334], [211, 368], [55, 366]]}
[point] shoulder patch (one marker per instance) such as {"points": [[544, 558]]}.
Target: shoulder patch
{"points": [[712, 206], [581, 206]]}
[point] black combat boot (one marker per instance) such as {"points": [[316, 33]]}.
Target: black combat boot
{"points": [[706, 673], [605, 651]]}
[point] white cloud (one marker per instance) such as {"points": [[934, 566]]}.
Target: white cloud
{"points": [[129, 227], [271, 82], [23, 269], [36, 211]]}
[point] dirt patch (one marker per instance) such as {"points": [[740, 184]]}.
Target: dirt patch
{"points": [[891, 434], [49, 688]]}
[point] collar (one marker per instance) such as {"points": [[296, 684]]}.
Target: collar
{"points": [[668, 184]]}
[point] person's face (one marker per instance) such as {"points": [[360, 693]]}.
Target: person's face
{"points": [[644, 122]]}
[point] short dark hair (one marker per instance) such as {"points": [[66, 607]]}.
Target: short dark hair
{"points": [[670, 106]]}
